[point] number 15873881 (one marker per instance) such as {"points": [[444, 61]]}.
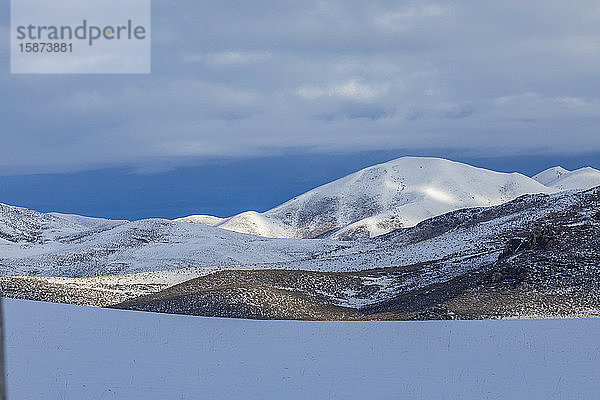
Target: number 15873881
{"points": [[46, 47]]}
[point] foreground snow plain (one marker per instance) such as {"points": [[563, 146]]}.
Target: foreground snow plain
{"points": [[57, 351]]}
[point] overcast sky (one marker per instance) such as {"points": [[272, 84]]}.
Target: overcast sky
{"points": [[237, 79]]}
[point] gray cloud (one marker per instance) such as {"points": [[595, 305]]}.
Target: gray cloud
{"points": [[232, 80]]}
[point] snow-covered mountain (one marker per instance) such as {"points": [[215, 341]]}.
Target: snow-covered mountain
{"points": [[379, 199], [562, 179]]}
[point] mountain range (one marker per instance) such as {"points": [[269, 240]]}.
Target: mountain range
{"points": [[393, 195], [413, 238]]}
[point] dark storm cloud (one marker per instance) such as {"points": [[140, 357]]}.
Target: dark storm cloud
{"points": [[255, 78]]}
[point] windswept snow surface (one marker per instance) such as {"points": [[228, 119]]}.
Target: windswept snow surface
{"points": [[561, 179], [92, 353], [379, 199]]}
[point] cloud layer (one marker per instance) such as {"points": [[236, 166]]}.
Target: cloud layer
{"points": [[263, 78]]}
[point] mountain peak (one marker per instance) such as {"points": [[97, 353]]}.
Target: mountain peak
{"points": [[550, 175], [560, 178]]}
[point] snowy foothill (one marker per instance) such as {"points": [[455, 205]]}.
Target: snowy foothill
{"points": [[93, 353]]}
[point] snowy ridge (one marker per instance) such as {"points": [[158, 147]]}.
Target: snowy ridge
{"points": [[21, 224], [202, 219]]}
